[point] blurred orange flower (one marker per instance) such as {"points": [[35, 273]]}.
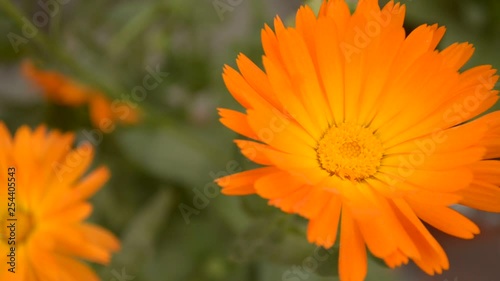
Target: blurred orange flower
{"points": [[361, 126], [62, 90], [48, 198]]}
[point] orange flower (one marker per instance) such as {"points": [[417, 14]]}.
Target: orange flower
{"points": [[362, 126], [42, 182], [62, 90]]}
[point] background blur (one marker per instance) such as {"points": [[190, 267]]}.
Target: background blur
{"points": [[161, 201]]}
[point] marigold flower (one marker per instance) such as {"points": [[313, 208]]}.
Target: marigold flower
{"points": [[63, 90], [43, 187], [358, 125]]}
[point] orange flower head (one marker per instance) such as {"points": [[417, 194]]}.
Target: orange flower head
{"points": [[43, 211], [62, 90], [362, 128]]}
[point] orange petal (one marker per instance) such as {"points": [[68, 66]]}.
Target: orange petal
{"points": [[100, 237], [421, 160], [457, 55], [83, 190], [73, 214], [322, 230], [281, 133], [237, 122], [352, 257], [289, 203], [378, 224], [70, 240], [100, 110], [487, 171], [243, 183], [314, 202], [446, 220], [395, 259], [241, 90], [491, 139], [288, 97], [253, 151], [331, 66], [432, 256], [257, 79], [277, 185], [441, 181], [75, 269], [482, 196]]}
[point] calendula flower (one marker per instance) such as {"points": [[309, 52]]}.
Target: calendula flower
{"points": [[63, 90], [43, 205], [363, 128]]}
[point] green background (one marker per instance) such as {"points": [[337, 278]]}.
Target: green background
{"points": [[160, 165]]}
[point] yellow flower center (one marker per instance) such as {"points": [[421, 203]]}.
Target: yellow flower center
{"points": [[16, 230], [350, 152]]}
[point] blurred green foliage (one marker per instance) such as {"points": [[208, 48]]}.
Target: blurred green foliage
{"points": [[161, 200]]}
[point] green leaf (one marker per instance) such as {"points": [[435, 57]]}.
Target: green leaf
{"points": [[168, 154], [139, 237]]}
